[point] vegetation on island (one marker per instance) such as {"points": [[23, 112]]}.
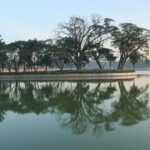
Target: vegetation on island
{"points": [[78, 42]]}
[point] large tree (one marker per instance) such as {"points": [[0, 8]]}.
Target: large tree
{"points": [[79, 36], [130, 39]]}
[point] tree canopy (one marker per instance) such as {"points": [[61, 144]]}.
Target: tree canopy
{"points": [[79, 36], [129, 39], [78, 42]]}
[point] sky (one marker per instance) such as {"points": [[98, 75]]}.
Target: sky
{"points": [[29, 19]]}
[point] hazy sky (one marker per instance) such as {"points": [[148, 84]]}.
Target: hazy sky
{"points": [[28, 19]]}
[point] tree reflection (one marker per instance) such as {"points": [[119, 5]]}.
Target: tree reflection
{"points": [[132, 106], [79, 106]]}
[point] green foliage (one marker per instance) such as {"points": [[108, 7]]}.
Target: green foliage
{"points": [[130, 39], [80, 36], [135, 57], [102, 54], [78, 41], [2, 44]]}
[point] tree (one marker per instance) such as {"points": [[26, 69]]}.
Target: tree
{"points": [[3, 59], [24, 53], [60, 55], [100, 55], [130, 39], [79, 36], [110, 58], [132, 106], [3, 56], [134, 58], [46, 59], [60, 60], [13, 53], [29, 54], [2, 44], [45, 55]]}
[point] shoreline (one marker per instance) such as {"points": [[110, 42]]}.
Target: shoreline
{"points": [[69, 76]]}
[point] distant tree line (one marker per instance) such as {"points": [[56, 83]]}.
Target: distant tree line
{"points": [[78, 42]]}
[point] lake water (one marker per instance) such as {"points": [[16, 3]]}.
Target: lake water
{"points": [[83, 115]]}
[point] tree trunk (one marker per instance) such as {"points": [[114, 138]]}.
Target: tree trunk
{"points": [[99, 64], [24, 67], [16, 69], [123, 94], [110, 64], [133, 66], [9, 69], [122, 62], [46, 67], [78, 65], [35, 68]]}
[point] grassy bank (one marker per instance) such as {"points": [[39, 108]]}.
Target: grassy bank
{"points": [[91, 71]]}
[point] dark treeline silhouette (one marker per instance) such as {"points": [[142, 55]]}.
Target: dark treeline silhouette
{"points": [[78, 42], [80, 106]]}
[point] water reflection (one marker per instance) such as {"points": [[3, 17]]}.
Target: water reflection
{"points": [[132, 106], [79, 106]]}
